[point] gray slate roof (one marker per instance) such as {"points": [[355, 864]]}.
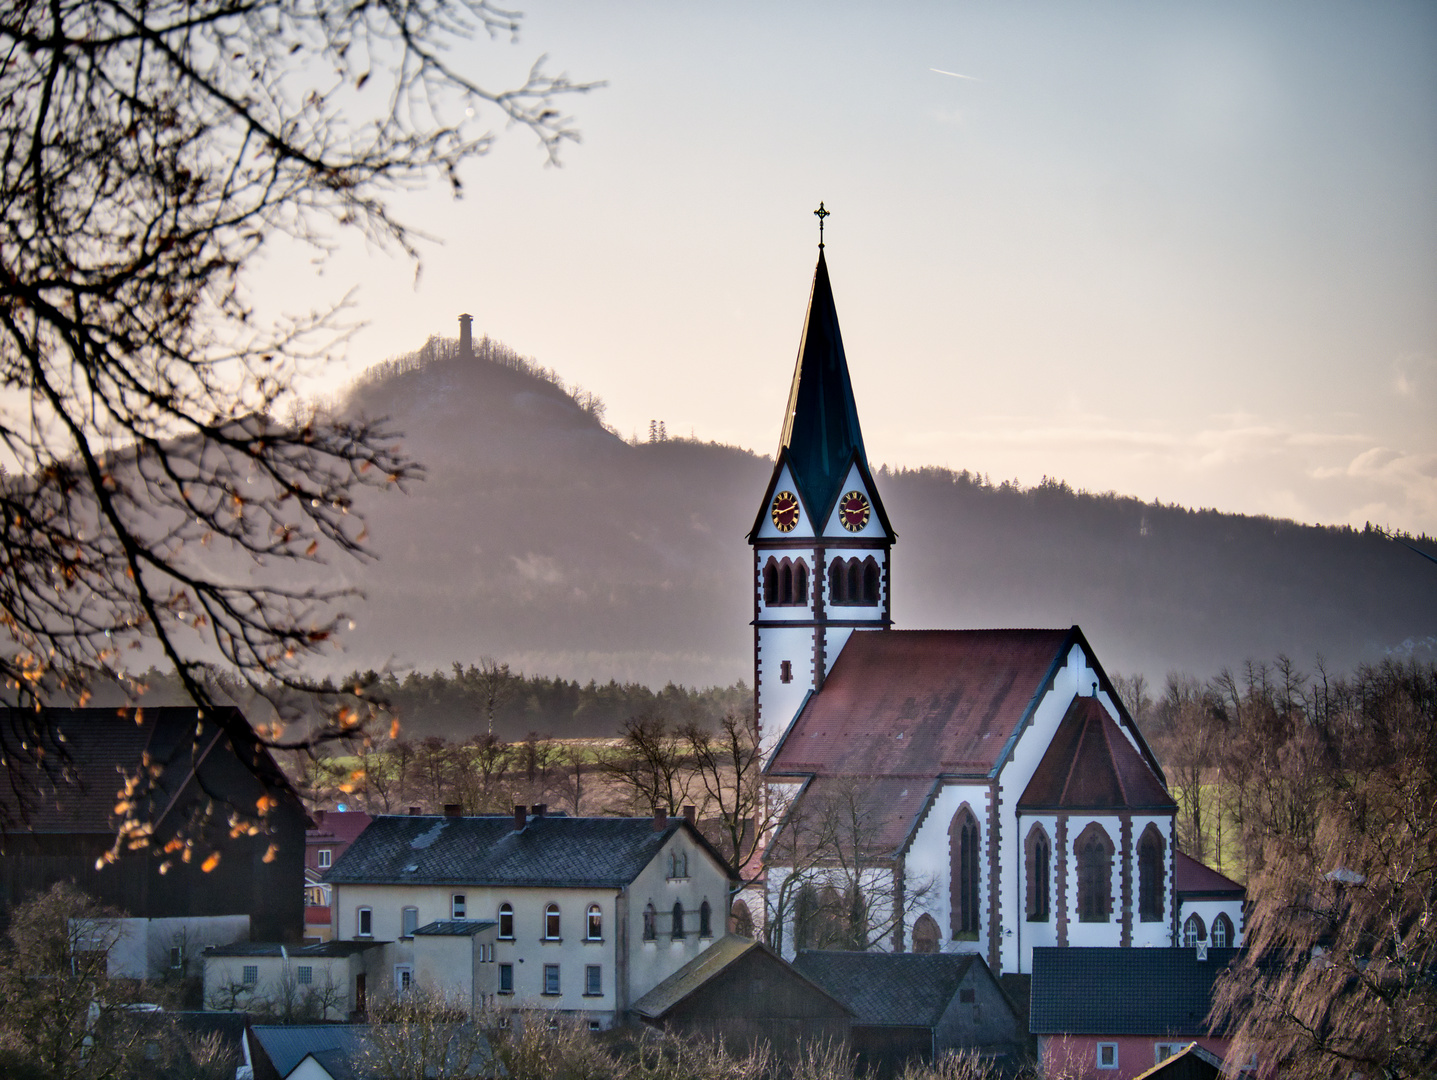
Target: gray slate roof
{"points": [[554, 852], [1123, 991], [294, 952], [287, 1045], [710, 963], [889, 989], [453, 928]]}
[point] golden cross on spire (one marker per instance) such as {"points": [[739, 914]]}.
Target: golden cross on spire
{"points": [[821, 213]]}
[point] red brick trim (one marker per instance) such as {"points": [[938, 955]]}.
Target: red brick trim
{"points": [[1061, 904], [900, 902], [995, 892], [1125, 878]]}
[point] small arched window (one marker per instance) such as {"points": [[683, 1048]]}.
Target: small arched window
{"points": [[963, 897], [706, 928], [1040, 862], [770, 581], [1193, 931], [870, 580], [596, 923], [1222, 936], [551, 923], [1095, 874], [925, 934], [837, 583], [678, 919], [651, 922], [855, 582], [785, 582], [800, 582], [1150, 875], [740, 920], [506, 922]]}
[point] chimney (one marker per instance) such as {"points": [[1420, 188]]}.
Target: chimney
{"points": [[661, 820], [519, 818], [538, 809], [466, 337], [691, 815], [319, 817], [414, 811], [452, 809]]}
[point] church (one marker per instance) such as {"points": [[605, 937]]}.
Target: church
{"points": [[980, 791]]}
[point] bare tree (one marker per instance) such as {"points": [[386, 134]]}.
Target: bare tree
{"points": [[1336, 979], [148, 151], [648, 768], [729, 767], [495, 687], [424, 1035]]}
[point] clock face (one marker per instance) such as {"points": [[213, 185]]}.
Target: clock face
{"points": [[853, 511], [785, 511]]}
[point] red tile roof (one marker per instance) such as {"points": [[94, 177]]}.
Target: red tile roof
{"points": [[881, 810], [337, 826], [921, 702], [1192, 877], [1090, 765]]}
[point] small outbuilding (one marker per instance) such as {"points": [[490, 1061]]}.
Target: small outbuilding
{"points": [[910, 1006], [741, 992]]}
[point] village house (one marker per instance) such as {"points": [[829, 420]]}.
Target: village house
{"points": [[325, 841]]}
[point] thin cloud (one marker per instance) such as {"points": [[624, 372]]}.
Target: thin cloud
{"points": [[970, 78]]}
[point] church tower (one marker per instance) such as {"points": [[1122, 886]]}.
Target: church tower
{"points": [[821, 540]]}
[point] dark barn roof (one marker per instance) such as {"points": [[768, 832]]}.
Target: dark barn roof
{"points": [[890, 989], [727, 953], [1161, 992], [559, 852], [1090, 765]]}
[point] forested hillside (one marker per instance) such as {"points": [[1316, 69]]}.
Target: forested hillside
{"points": [[542, 538]]}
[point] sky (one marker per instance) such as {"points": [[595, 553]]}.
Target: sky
{"points": [[1183, 251]]}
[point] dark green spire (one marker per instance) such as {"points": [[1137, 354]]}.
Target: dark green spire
{"points": [[820, 428]]}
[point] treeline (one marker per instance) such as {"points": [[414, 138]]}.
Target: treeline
{"points": [[484, 697]]}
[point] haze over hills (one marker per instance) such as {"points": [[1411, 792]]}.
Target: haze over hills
{"points": [[542, 538]]}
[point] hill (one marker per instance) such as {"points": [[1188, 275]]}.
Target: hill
{"points": [[544, 539]]}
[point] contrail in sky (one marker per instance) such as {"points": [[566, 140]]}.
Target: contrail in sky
{"points": [[955, 74]]}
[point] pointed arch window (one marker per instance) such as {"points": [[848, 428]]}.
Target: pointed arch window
{"points": [[1193, 931], [740, 919], [870, 580], [963, 874], [1094, 851], [805, 918], [785, 581], [1150, 875], [837, 582], [1222, 935], [800, 582], [651, 922], [1039, 860], [678, 919], [706, 920], [925, 934], [770, 581]]}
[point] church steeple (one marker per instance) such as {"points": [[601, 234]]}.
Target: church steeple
{"points": [[820, 427]]}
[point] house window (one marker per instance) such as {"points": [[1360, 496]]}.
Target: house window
{"points": [[925, 935], [596, 923], [177, 957], [551, 923], [678, 865], [409, 922], [1193, 931], [967, 996], [304, 975], [1040, 864], [551, 979], [963, 869], [250, 975], [506, 922], [403, 978], [506, 978], [594, 1025], [706, 927], [1107, 1055], [1222, 935], [1095, 874], [364, 925], [1163, 1051], [1150, 875], [785, 671], [651, 919], [458, 906], [593, 981], [324, 858]]}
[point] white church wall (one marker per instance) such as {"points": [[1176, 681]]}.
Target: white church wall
{"points": [[1075, 677], [929, 859], [779, 701], [834, 639], [1032, 935]]}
